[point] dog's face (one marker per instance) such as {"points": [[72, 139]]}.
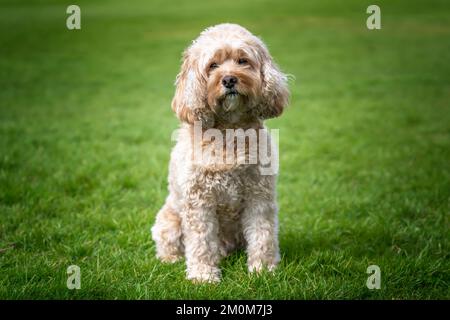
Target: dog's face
{"points": [[229, 71], [233, 79]]}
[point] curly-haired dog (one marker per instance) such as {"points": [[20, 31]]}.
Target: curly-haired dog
{"points": [[228, 80]]}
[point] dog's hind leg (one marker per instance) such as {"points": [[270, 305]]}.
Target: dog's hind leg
{"points": [[167, 234]]}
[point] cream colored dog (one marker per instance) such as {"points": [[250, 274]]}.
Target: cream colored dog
{"points": [[228, 80]]}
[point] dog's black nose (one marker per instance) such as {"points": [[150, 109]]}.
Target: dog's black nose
{"points": [[229, 81]]}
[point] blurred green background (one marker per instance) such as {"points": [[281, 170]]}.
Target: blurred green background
{"points": [[85, 126]]}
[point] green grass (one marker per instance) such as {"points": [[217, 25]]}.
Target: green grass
{"points": [[85, 125]]}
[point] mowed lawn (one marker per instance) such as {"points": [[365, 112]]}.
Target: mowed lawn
{"points": [[85, 137]]}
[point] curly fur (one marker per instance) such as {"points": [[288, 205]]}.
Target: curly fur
{"points": [[214, 208]]}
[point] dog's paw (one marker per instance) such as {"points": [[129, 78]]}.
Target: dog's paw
{"points": [[257, 267], [170, 258], [203, 274]]}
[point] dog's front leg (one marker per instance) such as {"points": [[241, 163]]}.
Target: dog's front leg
{"points": [[260, 227], [201, 240]]}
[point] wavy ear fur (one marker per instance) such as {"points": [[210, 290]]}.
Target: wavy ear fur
{"points": [[275, 91], [189, 100]]}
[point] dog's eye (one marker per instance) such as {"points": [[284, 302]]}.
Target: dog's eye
{"points": [[242, 61], [213, 66]]}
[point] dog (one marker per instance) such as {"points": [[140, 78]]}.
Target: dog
{"points": [[228, 80]]}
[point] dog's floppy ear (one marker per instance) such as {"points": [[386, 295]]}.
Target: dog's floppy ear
{"points": [[190, 91], [275, 91]]}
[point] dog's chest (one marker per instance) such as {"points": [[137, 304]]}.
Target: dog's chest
{"points": [[229, 190], [233, 187]]}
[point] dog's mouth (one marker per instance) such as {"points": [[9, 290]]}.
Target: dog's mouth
{"points": [[231, 100], [232, 93]]}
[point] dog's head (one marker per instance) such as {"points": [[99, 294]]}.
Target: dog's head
{"points": [[229, 70]]}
